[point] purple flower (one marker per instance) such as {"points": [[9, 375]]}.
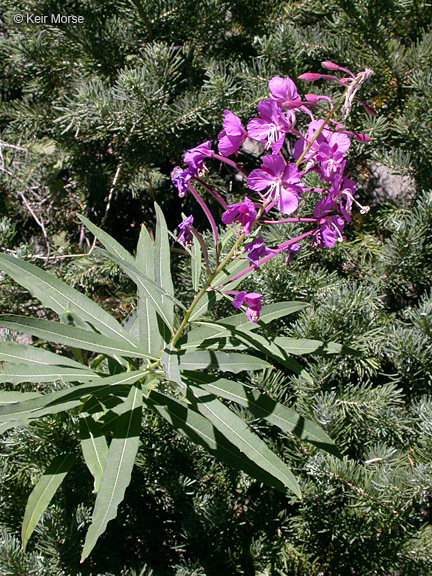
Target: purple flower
{"points": [[291, 250], [232, 136], [185, 236], [329, 159], [272, 125], [243, 212], [282, 179], [327, 149], [180, 177], [257, 250], [284, 91], [253, 304], [195, 156], [330, 226], [344, 188]]}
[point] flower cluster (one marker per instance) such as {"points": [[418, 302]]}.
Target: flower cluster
{"points": [[279, 183]]}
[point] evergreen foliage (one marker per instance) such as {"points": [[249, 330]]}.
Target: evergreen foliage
{"points": [[104, 111]]}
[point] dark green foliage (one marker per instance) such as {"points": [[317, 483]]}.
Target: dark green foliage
{"points": [[105, 111]]}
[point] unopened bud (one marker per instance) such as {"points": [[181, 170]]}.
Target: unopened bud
{"points": [[309, 76], [330, 65]]}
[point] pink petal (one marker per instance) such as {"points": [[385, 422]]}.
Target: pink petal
{"points": [[259, 180], [274, 164], [233, 125], [239, 299], [258, 129], [287, 202]]}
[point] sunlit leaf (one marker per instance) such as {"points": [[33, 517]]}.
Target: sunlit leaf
{"points": [[117, 470], [44, 491]]}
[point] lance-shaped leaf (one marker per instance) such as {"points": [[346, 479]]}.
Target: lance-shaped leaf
{"points": [[186, 419], [162, 262], [43, 493], [154, 290], [170, 363], [117, 470], [20, 413], [5, 426], [131, 324], [113, 247], [94, 447], [300, 346], [147, 318], [215, 360], [21, 353], [205, 303], [149, 289], [14, 396], [241, 435], [230, 270], [196, 265], [262, 406], [71, 336], [17, 373], [58, 296], [243, 340], [267, 347], [269, 312]]}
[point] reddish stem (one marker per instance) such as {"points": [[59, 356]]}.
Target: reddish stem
{"points": [[215, 195], [280, 249], [207, 213], [299, 219], [230, 163]]}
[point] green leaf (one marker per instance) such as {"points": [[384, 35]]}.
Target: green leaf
{"points": [[117, 470], [5, 426], [230, 270], [17, 373], [13, 396], [71, 336], [149, 289], [205, 303], [196, 265], [267, 347], [59, 297], [184, 418], [32, 356], [215, 360], [94, 447], [162, 262], [43, 493], [22, 412], [131, 324], [170, 363], [268, 313], [108, 241], [300, 346], [242, 436], [262, 406], [148, 325]]}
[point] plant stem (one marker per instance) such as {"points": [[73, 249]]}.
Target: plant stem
{"points": [[321, 128], [240, 239], [207, 213], [230, 163], [283, 220], [280, 249], [217, 196], [204, 289]]}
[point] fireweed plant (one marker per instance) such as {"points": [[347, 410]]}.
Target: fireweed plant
{"points": [[175, 360], [278, 184]]}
